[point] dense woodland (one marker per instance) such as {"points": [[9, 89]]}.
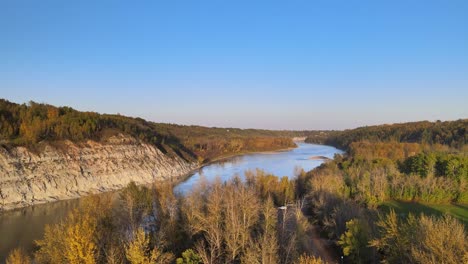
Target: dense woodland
{"points": [[417, 163], [262, 218], [448, 133], [33, 123]]}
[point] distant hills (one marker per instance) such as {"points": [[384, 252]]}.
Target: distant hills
{"points": [[449, 133]]}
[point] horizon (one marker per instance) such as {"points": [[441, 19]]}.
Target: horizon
{"points": [[261, 65], [244, 128]]}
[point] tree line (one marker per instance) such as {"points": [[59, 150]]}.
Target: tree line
{"points": [[33, 123], [449, 133]]}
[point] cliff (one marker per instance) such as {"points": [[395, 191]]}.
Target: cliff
{"points": [[72, 169]]}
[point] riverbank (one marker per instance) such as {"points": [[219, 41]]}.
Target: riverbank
{"points": [[20, 227], [88, 171]]}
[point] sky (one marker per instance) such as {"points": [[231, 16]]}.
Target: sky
{"points": [[249, 64]]}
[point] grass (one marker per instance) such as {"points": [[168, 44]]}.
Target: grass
{"points": [[459, 211]]}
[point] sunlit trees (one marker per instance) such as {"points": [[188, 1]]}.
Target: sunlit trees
{"points": [[355, 241], [304, 259], [138, 250], [72, 241], [18, 256], [206, 217], [83, 236], [52, 246], [233, 223], [421, 239], [241, 207], [449, 133], [80, 244], [268, 242], [439, 240], [282, 190]]}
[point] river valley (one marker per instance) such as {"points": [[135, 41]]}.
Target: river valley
{"points": [[19, 228]]}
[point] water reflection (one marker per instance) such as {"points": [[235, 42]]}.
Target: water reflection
{"points": [[19, 228], [285, 163]]}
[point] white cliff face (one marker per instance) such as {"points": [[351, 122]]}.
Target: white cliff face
{"points": [[75, 170]]}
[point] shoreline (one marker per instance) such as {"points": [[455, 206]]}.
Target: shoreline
{"points": [[175, 180], [226, 157]]}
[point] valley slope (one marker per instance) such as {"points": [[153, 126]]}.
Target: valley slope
{"points": [[50, 153]]}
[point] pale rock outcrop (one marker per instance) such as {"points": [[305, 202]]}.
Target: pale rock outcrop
{"points": [[75, 170]]}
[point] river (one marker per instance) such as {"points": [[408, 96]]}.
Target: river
{"points": [[21, 227]]}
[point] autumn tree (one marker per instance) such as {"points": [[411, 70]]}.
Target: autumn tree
{"points": [[80, 240], [18, 256], [304, 259], [138, 250], [241, 207], [52, 246]]}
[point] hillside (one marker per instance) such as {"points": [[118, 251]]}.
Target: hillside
{"points": [[31, 124], [50, 153], [449, 133]]}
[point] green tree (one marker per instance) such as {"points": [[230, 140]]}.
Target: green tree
{"points": [[354, 241], [189, 257]]}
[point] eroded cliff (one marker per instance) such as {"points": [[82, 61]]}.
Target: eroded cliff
{"points": [[73, 170]]}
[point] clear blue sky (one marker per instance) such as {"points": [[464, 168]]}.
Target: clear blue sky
{"points": [[264, 64]]}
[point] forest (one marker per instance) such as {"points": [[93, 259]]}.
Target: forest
{"points": [[419, 166], [449, 133], [33, 123]]}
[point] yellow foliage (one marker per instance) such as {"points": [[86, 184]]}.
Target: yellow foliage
{"points": [[138, 251], [52, 246], [73, 242], [304, 259], [18, 256], [79, 241]]}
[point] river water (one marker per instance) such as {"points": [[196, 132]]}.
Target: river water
{"points": [[21, 227]]}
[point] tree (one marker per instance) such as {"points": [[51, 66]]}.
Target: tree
{"points": [[304, 259], [72, 241], [18, 256], [52, 246], [138, 250], [80, 246], [241, 213], [354, 241], [189, 257], [422, 239], [203, 210], [439, 240], [137, 203], [393, 240], [268, 240]]}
